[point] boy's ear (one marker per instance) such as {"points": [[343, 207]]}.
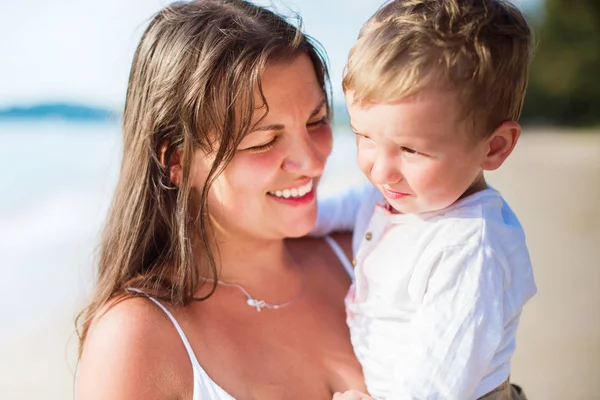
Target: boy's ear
{"points": [[500, 144], [174, 161]]}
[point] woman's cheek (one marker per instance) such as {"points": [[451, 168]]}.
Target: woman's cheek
{"points": [[255, 169], [323, 140]]}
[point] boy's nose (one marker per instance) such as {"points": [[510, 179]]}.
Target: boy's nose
{"points": [[385, 170]]}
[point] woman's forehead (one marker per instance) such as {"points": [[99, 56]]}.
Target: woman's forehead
{"points": [[294, 79]]}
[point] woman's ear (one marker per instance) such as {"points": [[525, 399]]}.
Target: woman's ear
{"points": [[500, 144], [174, 161]]}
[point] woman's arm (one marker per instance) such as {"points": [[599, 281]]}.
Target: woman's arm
{"points": [[131, 352], [337, 213]]}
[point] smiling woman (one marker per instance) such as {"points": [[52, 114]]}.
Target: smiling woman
{"points": [[285, 153], [226, 133]]}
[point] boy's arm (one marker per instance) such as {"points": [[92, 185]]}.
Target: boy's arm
{"points": [[458, 326], [338, 212]]}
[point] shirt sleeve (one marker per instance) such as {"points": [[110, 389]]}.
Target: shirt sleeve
{"points": [[338, 212], [457, 328]]}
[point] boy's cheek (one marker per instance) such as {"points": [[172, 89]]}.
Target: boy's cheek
{"points": [[437, 185], [427, 177], [365, 163]]}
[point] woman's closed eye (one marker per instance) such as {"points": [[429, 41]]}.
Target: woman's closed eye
{"points": [[264, 147], [321, 121]]}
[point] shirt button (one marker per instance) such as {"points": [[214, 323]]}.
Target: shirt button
{"points": [[369, 236], [354, 262]]}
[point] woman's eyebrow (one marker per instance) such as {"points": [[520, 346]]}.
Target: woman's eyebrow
{"points": [[273, 127], [280, 127]]}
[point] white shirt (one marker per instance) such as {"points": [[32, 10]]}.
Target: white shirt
{"points": [[437, 297]]}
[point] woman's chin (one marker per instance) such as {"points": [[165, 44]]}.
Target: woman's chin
{"points": [[302, 227]]}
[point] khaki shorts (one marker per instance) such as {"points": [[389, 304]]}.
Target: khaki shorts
{"points": [[506, 391]]}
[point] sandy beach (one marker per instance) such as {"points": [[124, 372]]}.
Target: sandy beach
{"points": [[552, 182]]}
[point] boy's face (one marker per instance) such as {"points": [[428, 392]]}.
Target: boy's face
{"points": [[417, 151]]}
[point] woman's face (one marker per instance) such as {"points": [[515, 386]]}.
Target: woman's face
{"points": [[268, 189]]}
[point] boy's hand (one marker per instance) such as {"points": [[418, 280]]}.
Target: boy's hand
{"points": [[351, 395]]}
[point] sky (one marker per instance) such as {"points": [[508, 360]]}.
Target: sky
{"points": [[81, 50]]}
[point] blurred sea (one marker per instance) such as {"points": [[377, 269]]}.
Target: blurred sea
{"points": [[57, 180], [56, 184]]}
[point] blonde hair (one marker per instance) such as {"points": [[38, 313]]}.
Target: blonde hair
{"points": [[192, 86], [478, 48]]}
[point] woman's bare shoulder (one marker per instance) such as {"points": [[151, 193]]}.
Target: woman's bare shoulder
{"points": [[318, 248], [344, 239], [132, 351]]}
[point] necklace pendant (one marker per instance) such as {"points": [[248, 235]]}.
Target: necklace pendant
{"points": [[258, 304]]}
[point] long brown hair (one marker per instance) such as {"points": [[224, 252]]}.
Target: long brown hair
{"points": [[192, 84]]}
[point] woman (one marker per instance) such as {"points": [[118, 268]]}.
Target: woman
{"points": [[199, 296]]}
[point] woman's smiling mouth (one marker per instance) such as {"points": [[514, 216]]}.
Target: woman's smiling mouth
{"points": [[299, 191]]}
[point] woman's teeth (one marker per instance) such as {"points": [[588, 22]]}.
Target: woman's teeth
{"points": [[295, 192]]}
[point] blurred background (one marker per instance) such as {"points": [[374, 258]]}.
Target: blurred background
{"points": [[63, 75]]}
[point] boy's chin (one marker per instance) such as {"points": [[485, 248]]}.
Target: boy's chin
{"points": [[400, 207], [406, 207]]}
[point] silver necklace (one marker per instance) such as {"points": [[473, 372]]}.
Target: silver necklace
{"points": [[260, 304]]}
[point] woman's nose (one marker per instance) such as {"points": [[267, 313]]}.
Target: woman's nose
{"points": [[305, 157]]}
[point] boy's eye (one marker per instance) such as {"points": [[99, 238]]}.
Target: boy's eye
{"points": [[362, 136], [411, 151]]}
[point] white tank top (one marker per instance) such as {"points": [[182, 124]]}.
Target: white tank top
{"points": [[204, 387]]}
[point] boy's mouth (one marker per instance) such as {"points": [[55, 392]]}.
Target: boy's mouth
{"points": [[394, 195]]}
